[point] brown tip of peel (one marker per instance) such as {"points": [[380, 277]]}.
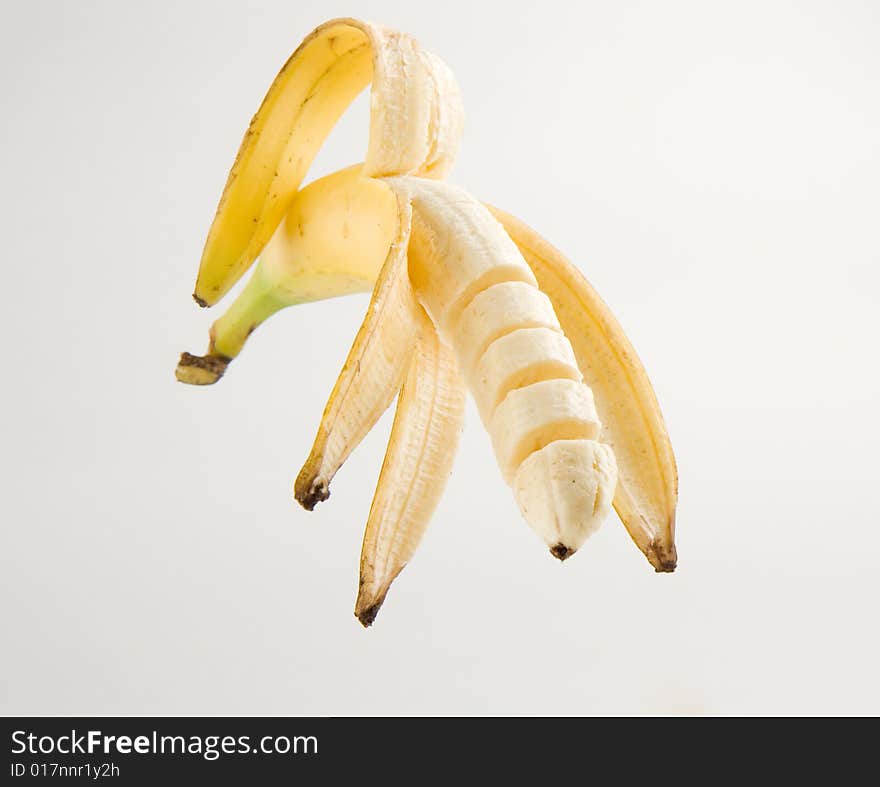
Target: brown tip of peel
{"points": [[367, 607], [201, 369], [200, 301], [561, 552], [368, 615], [370, 600], [663, 557], [309, 495]]}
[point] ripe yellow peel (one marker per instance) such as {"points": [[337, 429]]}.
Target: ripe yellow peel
{"points": [[418, 134], [372, 374], [632, 424], [421, 450]]}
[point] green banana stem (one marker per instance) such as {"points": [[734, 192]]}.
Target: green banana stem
{"points": [[258, 301]]}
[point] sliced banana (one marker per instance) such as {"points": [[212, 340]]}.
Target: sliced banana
{"points": [[459, 291]]}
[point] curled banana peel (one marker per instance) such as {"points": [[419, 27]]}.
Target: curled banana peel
{"points": [[415, 127], [464, 298]]}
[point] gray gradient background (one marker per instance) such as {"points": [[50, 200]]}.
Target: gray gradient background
{"points": [[712, 167]]}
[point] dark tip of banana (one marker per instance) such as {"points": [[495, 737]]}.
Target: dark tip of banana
{"points": [[317, 493], [368, 615], [561, 552], [664, 559]]}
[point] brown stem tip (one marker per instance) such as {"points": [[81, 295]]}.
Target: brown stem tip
{"points": [[561, 552], [200, 301], [200, 369]]}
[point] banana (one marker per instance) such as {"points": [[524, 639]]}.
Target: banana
{"points": [[464, 297], [415, 128], [333, 241], [459, 251], [633, 426], [423, 442]]}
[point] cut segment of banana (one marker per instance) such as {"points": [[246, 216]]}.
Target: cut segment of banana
{"points": [[517, 360], [449, 269], [564, 491], [530, 418], [497, 311]]}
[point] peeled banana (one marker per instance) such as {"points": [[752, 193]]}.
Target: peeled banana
{"points": [[464, 298]]}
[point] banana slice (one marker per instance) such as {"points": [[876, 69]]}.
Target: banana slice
{"points": [[451, 262], [564, 492], [530, 418], [497, 311], [517, 360]]}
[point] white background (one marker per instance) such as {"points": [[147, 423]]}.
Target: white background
{"points": [[712, 167]]}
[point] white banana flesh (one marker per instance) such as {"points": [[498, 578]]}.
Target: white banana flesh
{"points": [[491, 313], [449, 235], [565, 484], [530, 418], [531, 398], [518, 359]]}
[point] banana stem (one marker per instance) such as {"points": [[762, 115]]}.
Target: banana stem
{"points": [[256, 303]]}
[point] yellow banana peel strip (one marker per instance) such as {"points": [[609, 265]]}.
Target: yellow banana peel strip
{"points": [[372, 374], [421, 450]]}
